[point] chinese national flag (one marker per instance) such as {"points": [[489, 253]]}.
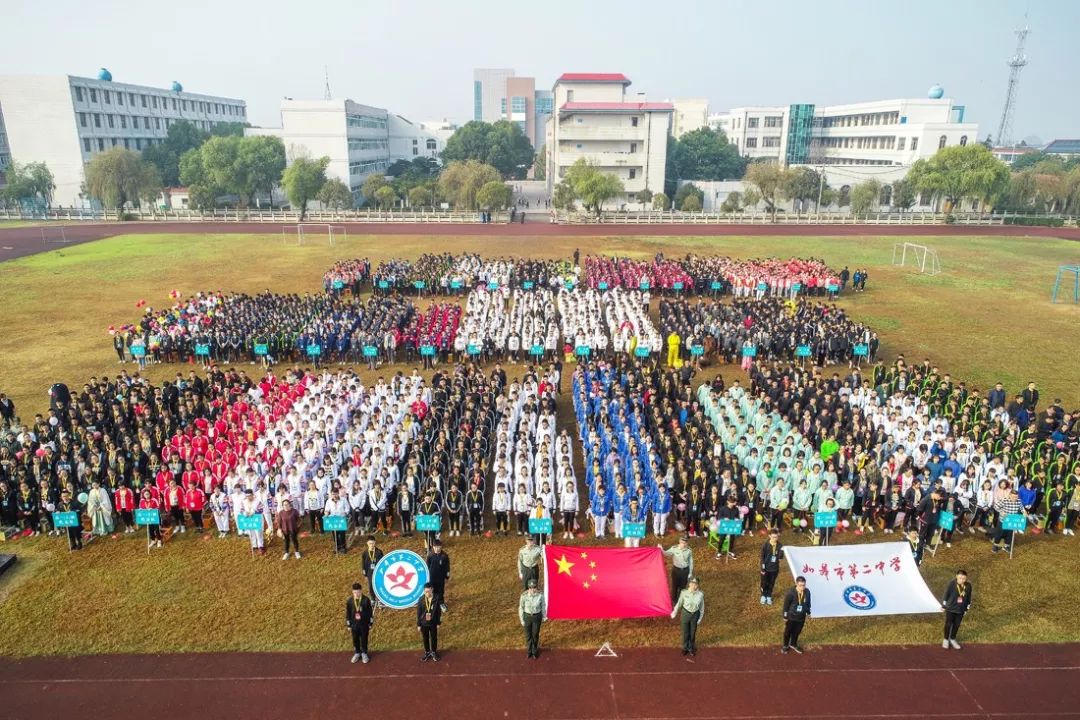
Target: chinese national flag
{"points": [[600, 583]]}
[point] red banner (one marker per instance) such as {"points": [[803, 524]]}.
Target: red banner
{"points": [[588, 583]]}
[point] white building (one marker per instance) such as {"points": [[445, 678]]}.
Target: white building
{"points": [[63, 120], [489, 93], [690, 114], [594, 119], [360, 140]]}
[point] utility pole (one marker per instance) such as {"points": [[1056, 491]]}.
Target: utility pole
{"points": [[1016, 63], [326, 91]]}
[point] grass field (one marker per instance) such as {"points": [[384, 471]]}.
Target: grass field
{"points": [[987, 317]]}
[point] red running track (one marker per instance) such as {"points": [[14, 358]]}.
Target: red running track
{"points": [[22, 241], [890, 682]]}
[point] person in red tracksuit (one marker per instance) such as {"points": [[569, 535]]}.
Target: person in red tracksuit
{"points": [[174, 498], [149, 502], [124, 501], [194, 501]]}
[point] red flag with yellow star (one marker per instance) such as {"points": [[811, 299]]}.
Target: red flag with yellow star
{"points": [[598, 582]]}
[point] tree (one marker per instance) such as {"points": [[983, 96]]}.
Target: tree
{"points": [[420, 196], [767, 178], [118, 177], [960, 171], [801, 185], [644, 196], [385, 197], [230, 129], [904, 194], [502, 145], [686, 191], [461, 181], [660, 201], [495, 195], [751, 198], [691, 203], [240, 166], [704, 154], [593, 187], [865, 196], [303, 179], [371, 185], [335, 195], [732, 203], [262, 161], [165, 156], [540, 164], [32, 182], [562, 196]]}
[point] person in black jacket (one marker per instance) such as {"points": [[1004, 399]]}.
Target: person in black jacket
{"points": [[929, 514], [438, 564], [428, 618], [956, 601], [728, 512], [772, 553], [359, 617], [370, 558], [796, 611]]}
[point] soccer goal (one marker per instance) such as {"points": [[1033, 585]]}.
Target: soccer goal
{"points": [[921, 257], [313, 232], [53, 235]]}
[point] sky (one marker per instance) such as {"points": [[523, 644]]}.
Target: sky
{"points": [[416, 58]]}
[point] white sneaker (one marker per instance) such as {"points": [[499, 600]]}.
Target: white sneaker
{"points": [[355, 658], [365, 658], [297, 555], [762, 601], [944, 644], [285, 556], [955, 645]]}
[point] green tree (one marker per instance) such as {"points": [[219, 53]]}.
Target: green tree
{"points": [[502, 145], [420, 196], [801, 185], [262, 161], [240, 166], [385, 197], [691, 203], [495, 195], [704, 154], [767, 179], [165, 156], [751, 198], [644, 196], [302, 181], [562, 196], [686, 191], [32, 182], [461, 181], [660, 201], [335, 195], [540, 164], [865, 197], [960, 171], [371, 185], [118, 177], [904, 194], [230, 129], [732, 203], [591, 186]]}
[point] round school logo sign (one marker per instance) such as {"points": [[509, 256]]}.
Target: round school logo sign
{"points": [[399, 579], [859, 598]]}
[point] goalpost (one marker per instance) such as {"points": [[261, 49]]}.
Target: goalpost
{"points": [[53, 235], [923, 258], [308, 232]]}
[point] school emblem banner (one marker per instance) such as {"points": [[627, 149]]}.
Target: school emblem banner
{"points": [[856, 580]]}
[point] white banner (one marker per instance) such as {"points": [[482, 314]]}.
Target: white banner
{"points": [[865, 579]]}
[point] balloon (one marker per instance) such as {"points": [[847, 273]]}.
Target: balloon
{"points": [[743, 510], [488, 534], [83, 497], [682, 507], [845, 523], [758, 517], [803, 522], [40, 452], [49, 507]]}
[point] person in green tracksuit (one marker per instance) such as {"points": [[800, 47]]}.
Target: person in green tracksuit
{"points": [[529, 561], [692, 604], [532, 611]]}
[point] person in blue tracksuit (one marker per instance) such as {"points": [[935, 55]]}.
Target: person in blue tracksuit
{"points": [[634, 513]]}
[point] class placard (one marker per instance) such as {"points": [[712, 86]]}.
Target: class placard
{"points": [[147, 516], [427, 350], [419, 284], [67, 519], [601, 285], [825, 519], [249, 523], [314, 350], [472, 349], [677, 286], [802, 351], [715, 285], [528, 285], [582, 351], [429, 523], [946, 520], [749, 351], [729, 527], [202, 349], [540, 526], [335, 523], [536, 350], [261, 349], [1016, 522], [384, 284], [861, 350], [338, 284], [633, 530], [493, 285], [138, 351], [641, 351], [697, 350], [370, 351], [643, 285]]}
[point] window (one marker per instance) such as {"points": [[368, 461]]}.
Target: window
{"points": [[138, 143], [185, 105], [751, 142], [373, 122], [633, 122], [633, 173], [633, 148], [941, 142], [900, 143], [518, 105], [174, 103], [127, 144], [914, 143], [143, 98], [770, 142], [86, 144], [414, 143], [82, 119], [569, 96], [963, 139], [578, 146], [100, 144], [123, 121], [131, 99], [105, 95], [752, 122], [773, 122], [157, 123], [78, 94], [416, 151], [109, 118], [93, 95], [119, 98], [97, 120], [115, 142], [432, 144], [925, 198]]}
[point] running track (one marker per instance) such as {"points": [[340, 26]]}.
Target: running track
{"points": [[28, 240], [926, 682]]}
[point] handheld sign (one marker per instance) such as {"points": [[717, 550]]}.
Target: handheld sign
{"points": [[569, 284], [138, 351], [147, 516], [946, 520], [493, 285], [418, 284], [762, 286], [802, 351], [202, 349], [633, 529], [527, 285], [314, 350], [715, 285], [384, 284], [861, 350], [261, 349], [249, 523], [472, 349], [582, 350], [427, 350], [796, 286], [676, 286], [641, 351], [429, 523], [697, 350], [536, 350], [1016, 522], [601, 285], [832, 288], [749, 351], [539, 526], [825, 519], [338, 284], [729, 527], [643, 285], [455, 284], [370, 351], [335, 523], [66, 519]]}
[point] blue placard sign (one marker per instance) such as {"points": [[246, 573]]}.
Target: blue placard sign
{"points": [[249, 523], [429, 523], [825, 519], [1016, 521], [427, 350], [335, 523], [582, 351], [802, 351], [472, 349], [946, 520], [138, 351], [861, 350], [540, 526], [337, 284], [370, 351], [314, 350], [418, 284], [749, 351], [202, 349], [601, 286], [729, 527], [261, 349], [536, 350], [676, 286], [384, 284], [527, 285], [633, 529], [147, 516], [68, 519], [715, 285], [697, 350], [641, 351]]}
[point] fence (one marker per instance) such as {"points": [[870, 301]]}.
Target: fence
{"points": [[248, 216], [673, 217]]}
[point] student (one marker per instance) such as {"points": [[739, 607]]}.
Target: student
{"points": [[772, 553], [438, 564], [194, 502], [568, 505], [337, 505], [288, 521], [474, 505], [956, 601], [1056, 500], [532, 611], [428, 619], [633, 513], [124, 500], [67, 504], [359, 618], [371, 557], [1008, 505], [796, 612], [219, 506], [501, 505], [728, 512], [692, 603], [149, 503], [99, 508]]}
